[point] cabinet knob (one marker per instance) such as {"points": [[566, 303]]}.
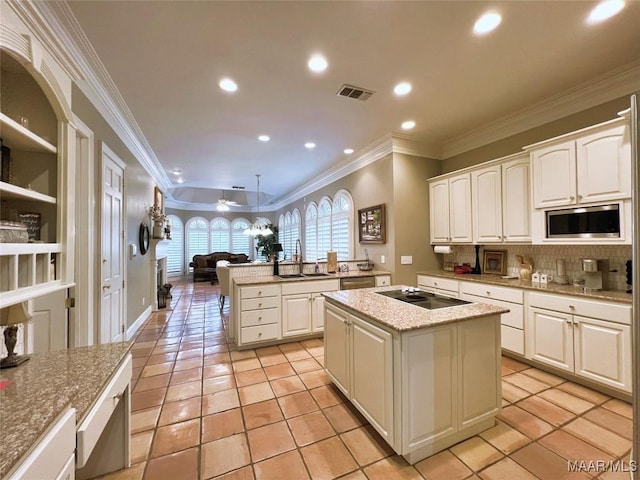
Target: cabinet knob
{"points": [[568, 321], [435, 284], [260, 292], [259, 334], [579, 197], [572, 307], [488, 293], [260, 304], [118, 396], [259, 319], [572, 198]]}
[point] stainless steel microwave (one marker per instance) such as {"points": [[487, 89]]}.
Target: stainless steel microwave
{"points": [[602, 221]]}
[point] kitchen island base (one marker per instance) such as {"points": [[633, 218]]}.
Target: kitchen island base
{"points": [[422, 389]]}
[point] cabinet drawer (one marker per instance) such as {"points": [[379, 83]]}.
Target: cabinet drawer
{"points": [[439, 283], [512, 339], [259, 317], [50, 455], [259, 303], [69, 470], [383, 280], [613, 312], [310, 286], [259, 333], [91, 428], [491, 291], [513, 318], [260, 291]]}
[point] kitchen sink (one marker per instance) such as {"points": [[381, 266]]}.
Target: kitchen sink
{"points": [[303, 275], [319, 274], [292, 275]]}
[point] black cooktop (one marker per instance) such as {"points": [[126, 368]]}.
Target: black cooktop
{"points": [[423, 299]]}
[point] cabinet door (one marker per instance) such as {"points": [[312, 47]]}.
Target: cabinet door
{"points": [[372, 375], [383, 280], [516, 200], [603, 352], [336, 351], [486, 186], [296, 314], [460, 222], [554, 175], [604, 166], [439, 211], [550, 338], [317, 312]]}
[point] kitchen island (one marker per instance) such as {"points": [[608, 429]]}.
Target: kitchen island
{"points": [[424, 379]]}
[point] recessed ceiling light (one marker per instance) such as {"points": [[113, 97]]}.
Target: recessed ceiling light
{"points": [[605, 10], [348, 151], [310, 145], [228, 85], [402, 88], [180, 180], [317, 63], [264, 138], [408, 125], [486, 23], [177, 171]]}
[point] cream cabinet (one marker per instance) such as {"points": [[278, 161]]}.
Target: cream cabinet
{"points": [[589, 338], [592, 165], [501, 202], [512, 322], [259, 315], [383, 280], [439, 286], [450, 209], [302, 306]]}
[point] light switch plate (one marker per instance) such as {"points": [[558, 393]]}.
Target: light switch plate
{"points": [[406, 259], [382, 259]]}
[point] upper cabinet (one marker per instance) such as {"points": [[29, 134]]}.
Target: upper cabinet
{"points": [[501, 201], [450, 209], [592, 165], [36, 174]]}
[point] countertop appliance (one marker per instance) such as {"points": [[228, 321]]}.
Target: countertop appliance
{"points": [[600, 221], [418, 298]]}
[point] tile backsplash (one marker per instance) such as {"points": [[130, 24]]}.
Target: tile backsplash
{"points": [[545, 256]]}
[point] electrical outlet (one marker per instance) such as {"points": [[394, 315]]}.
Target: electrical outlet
{"points": [[382, 259], [144, 301], [406, 260]]}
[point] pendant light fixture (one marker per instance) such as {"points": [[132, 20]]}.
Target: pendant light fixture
{"points": [[257, 228]]}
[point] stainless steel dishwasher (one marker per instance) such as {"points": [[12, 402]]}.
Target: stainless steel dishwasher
{"points": [[357, 282]]}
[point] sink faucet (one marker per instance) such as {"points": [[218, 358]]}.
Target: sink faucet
{"points": [[298, 242]]}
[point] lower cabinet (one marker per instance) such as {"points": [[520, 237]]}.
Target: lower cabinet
{"points": [[303, 306], [598, 349], [422, 390], [439, 286]]}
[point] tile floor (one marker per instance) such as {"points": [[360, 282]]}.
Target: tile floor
{"points": [[202, 410]]}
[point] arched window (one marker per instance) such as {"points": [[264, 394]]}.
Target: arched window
{"points": [[197, 233], [175, 251], [342, 225], [295, 230], [324, 228], [220, 235], [282, 234], [311, 233], [240, 242]]}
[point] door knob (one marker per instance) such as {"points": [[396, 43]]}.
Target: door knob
{"points": [[104, 287]]}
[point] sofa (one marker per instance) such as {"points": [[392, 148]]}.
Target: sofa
{"points": [[204, 266]]}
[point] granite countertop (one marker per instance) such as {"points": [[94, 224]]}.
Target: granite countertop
{"points": [[43, 387], [607, 295], [401, 316], [260, 279]]}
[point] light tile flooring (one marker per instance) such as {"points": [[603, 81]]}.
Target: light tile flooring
{"points": [[201, 410]]}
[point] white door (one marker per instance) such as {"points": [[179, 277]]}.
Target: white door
{"points": [[336, 347], [554, 175], [516, 200], [487, 204], [439, 211], [460, 208], [550, 338], [296, 314], [603, 351], [317, 312], [112, 325], [50, 326]]}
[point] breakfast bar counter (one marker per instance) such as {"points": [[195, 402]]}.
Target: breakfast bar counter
{"points": [[425, 379]]}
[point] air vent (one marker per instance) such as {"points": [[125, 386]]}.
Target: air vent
{"points": [[357, 93], [236, 187]]}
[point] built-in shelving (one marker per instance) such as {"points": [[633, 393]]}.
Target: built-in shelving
{"points": [[22, 138], [14, 192]]}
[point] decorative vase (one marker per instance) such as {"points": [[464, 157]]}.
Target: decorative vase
{"points": [[158, 229]]}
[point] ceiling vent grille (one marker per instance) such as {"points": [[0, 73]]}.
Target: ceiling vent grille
{"points": [[357, 93], [237, 187]]}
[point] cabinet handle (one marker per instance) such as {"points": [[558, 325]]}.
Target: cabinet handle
{"points": [[435, 284], [259, 305], [259, 319], [571, 198], [488, 293], [579, 197], [259, 334], [260, 292], [572, 307], [106, 286], [569, 321], [118, 396]]}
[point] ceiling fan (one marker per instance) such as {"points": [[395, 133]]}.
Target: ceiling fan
{"points": [[224, 204]]}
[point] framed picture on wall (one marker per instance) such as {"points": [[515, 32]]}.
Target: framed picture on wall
{"points": [[158, 199], [495, 261], [371, 224]]}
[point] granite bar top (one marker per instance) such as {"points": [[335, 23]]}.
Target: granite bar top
{"points": [[402, 316], [607, 295], [261, 279], [46, 385]]}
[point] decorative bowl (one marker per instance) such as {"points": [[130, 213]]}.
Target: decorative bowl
{"points": [[365, 267]]}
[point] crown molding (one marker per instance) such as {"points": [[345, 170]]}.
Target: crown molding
{"points": [[55, 22], [607, 87], [405, 144]]}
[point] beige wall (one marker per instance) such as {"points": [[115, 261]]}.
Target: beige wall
{"points": [[514, 143], [138, 197]]}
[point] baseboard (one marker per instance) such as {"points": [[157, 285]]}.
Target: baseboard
{"points": [[131, 331]]}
